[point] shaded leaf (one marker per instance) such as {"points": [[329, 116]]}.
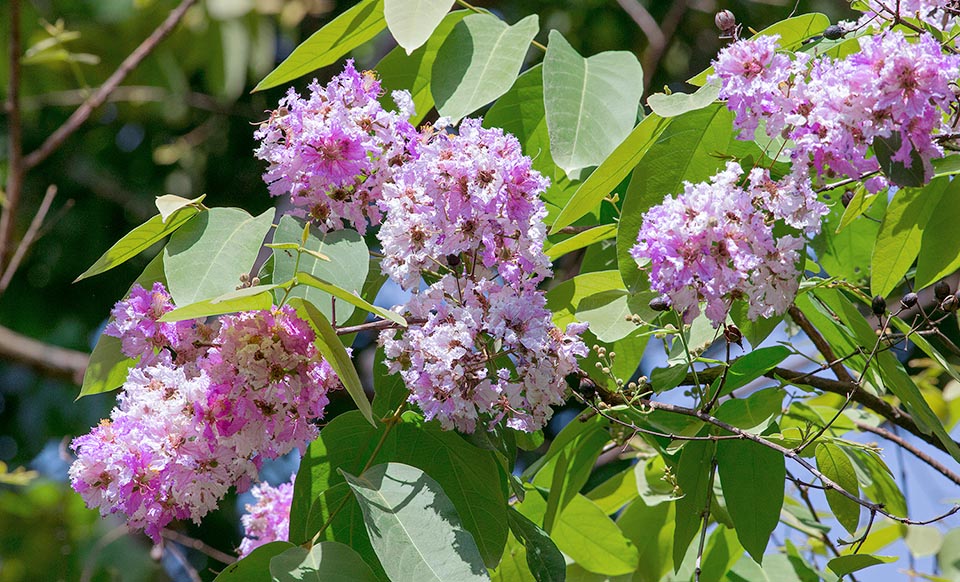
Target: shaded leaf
{"points": [[693, 475], [326, 562], [545, 561], [833, 463], [254, 567]]}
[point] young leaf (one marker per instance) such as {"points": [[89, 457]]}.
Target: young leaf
{"points": [[679, 103], [844, 565], [329, 44], [411, 22], [333, 351], [413, 72], [582, 239], [324, 562], [478, 62], [543, 558], [414, 526], [168, 204], [107, 368], [254, 567], [591, 104], [205, 258], [247, 299], [833, 463], [351, 298], [693, 474], [139, 240], [752, 478]]}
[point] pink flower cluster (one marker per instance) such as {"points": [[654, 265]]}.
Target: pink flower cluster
{"points": [[333, 150], [834, 110], [714, 243], [182, 435], [941, 14], [267, 520], [467, 214]]}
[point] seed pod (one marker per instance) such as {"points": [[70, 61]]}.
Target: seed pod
{"points": [[725, 21], [659, 304], [733, 335], [950, 303], [879, 305], [846, 198], [834, 32], [941, 290], [909, 300], [453, 260]]}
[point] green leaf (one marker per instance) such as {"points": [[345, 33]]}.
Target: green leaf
{"points": [[615, 492], [612, 171], [837, 467], [326, 562], [351, 298], [582, 239], [411, 22], [139, 240], [205, 258], [748, 368], [346, 269], [688, 149], [845, 252], [513, 565], [338, 512], [923, 540], [247, 299], [400, 71], [591, 104], [389, 390], [332, 349], [254, 567], [852, 563], [679, 103], [328, 45], [607, 313], [564, 300], [878, 483], [752, 478], [948, 558], [107, 367], [543, 558], [885, 149], [901, 232], [693, 475], [478, 62], [650, 528], [414, 526], [860, 203], [754, 413], [468, 475], [722, 552], [169, 204], [939, 253]]}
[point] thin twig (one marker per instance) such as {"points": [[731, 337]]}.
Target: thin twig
{"points": [[198, 545], [15, 162], [705, 516], [822, 346], [98, 97], [48, 359], [376, 325], [28, 238], [909, 447]]}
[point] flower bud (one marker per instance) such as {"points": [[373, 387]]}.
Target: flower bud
{"points": [[941, 290], [453, 260], [846, 198], [950, 303], [725, 21], [879, 305], [659, 304], [909, 300], [834, 32]]}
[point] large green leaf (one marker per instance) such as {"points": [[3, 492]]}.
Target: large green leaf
{"points": [[467, 474], [939, 253], [543, 558], [338, 514], [845, 250], [752, 478], [748, 368], [876, 480], [885, 149], [328, 45], [901, 232], [615, 492], [411, 22], [844, 565], [591, 104], [247, 299], [650, 528], [107, 367], [400, 71], [254, 567], [689, 149], [329, 345], [324, 562], [582, 239], [478, 62], [612, 171], [140, 239], [693, 475], [836, 466], [513, 565], [206, 257], [754, 413], [347, 267], [414, 527]]}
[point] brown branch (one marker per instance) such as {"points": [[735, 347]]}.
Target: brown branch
{"points": [[887, 435], [377, 325], [822, 346], [98, 97], [198, 545], [15, 163], [28, 238], [47, 359]]}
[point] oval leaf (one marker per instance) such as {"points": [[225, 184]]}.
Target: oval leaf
{"points": [[478, 62], [254, 567], [591, 104], [411, 22], [248, 299], [833, 463], [324, 562], [414, 526], [679, 103], [582, 239], [846, 564]]}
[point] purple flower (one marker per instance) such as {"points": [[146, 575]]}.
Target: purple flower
{"points": [[267, 520]]}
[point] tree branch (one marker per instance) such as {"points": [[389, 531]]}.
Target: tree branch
{"points": [[15, 163], [95, 100], [28, 238], [822, 346], [896, 439], [47, 359]]}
